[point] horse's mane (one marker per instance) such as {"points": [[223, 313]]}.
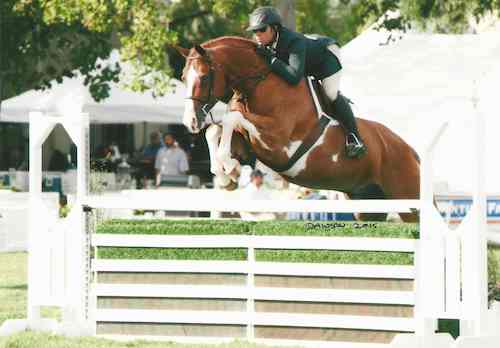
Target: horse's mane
{"points": [[233, 41]]}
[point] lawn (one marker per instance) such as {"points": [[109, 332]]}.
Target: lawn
{"points": [[13, 288], [40, 340]]}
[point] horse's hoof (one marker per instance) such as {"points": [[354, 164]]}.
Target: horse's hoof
{"points": [[235, 174], [231, 186]]}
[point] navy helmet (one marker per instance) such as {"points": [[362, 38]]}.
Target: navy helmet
{"points": [[262, 17]]}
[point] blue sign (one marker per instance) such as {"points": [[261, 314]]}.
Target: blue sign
{"points": [[460, 207]]}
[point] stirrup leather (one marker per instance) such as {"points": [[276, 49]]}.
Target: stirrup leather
{"points": [[356, 143]]}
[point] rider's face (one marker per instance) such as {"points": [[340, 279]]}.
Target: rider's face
{"points": [[264, 37]]}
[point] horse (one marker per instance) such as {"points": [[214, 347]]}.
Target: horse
{"points": [[275, 118]]}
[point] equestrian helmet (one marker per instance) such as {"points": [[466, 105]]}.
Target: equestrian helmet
{"points": [[262, 17]]}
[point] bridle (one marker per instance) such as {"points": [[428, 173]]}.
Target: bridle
{"points": [[208, 102], [211, 99]]}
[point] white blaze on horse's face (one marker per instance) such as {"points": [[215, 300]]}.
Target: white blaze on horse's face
{"points": [[189, 118]]}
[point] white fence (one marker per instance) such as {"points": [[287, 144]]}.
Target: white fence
{"points": [[249, 292], [14, 218], [450, 269]]}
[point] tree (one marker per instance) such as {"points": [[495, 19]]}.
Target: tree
{"points": [[450, 16], [287, 11], [43, 40]]}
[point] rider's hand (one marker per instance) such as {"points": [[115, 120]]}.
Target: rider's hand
{"points": [[265, 53]]}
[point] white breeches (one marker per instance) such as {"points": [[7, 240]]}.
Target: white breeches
{"points": [[331, 84]]}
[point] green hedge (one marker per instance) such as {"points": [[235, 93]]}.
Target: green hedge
{"points": [[236, 227], [290, 228]]}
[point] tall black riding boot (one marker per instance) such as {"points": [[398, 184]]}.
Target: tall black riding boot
{"points": [[355, 148]]}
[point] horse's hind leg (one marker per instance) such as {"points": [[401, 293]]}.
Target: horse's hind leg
{"points": [[405, 184], [370, 191]]}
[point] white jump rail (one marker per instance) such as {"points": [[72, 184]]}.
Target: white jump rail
{"points": [[278, 206], [262, 268], [450, 267]]}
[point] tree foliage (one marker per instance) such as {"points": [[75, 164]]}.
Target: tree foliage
{"points": [[43, 40], [450, 16]]}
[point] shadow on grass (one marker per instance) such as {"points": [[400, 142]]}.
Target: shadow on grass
{"points": [[14, 287]]}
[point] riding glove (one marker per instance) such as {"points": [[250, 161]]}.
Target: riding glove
{"points": [[265, 53]]}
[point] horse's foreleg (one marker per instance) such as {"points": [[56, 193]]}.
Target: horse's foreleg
{"points": [[213, 135], [231, 166]]}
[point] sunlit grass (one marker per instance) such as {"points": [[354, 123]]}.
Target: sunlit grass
{"points": [[40, 340]]}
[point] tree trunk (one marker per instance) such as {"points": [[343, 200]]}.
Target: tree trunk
{"points": [[287, 11]]}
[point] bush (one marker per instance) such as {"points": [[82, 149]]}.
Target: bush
{"points": [[493, 274]]}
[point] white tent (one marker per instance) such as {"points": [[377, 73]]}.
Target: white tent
{"points": [[122, 106], [419, 81]]}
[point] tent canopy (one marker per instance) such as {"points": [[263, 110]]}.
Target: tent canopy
{"points": [[122, 106], [419, 81]]}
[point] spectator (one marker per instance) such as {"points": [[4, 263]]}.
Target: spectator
{"points": [[256, 190], [58, 162], [272, 179], [147, 162], [171, 160], [19, 159]]}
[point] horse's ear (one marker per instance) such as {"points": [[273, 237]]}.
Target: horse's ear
{"points": [[201, 51], [183, 51]]}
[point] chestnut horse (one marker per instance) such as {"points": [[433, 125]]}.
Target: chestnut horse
{"points": [[275, 118]]}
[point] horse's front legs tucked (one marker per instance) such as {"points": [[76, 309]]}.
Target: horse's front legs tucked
{"points": [[231, 166], [230, 121], [213, 135]]}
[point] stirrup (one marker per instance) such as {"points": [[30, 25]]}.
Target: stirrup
{"points": [[355, 149]]}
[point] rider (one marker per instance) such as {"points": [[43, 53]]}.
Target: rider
{"points": [[293, 55]]}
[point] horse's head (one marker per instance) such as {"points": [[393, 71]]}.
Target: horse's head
{"points": [[213, 71], [206, 85]]}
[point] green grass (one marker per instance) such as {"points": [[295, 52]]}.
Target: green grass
{"points": [[40, 340], [13, 286], [276, 228]]}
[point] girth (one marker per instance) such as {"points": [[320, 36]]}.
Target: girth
{"points": [[322, 103]]}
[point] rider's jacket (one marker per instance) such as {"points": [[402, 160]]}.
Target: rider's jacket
{"points": [[298, 55]]}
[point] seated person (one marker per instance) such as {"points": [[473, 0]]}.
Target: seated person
{"points": [[171, 160], [256, 190]]}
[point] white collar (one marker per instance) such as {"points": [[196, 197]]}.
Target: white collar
{"points": [[275, 43]]}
